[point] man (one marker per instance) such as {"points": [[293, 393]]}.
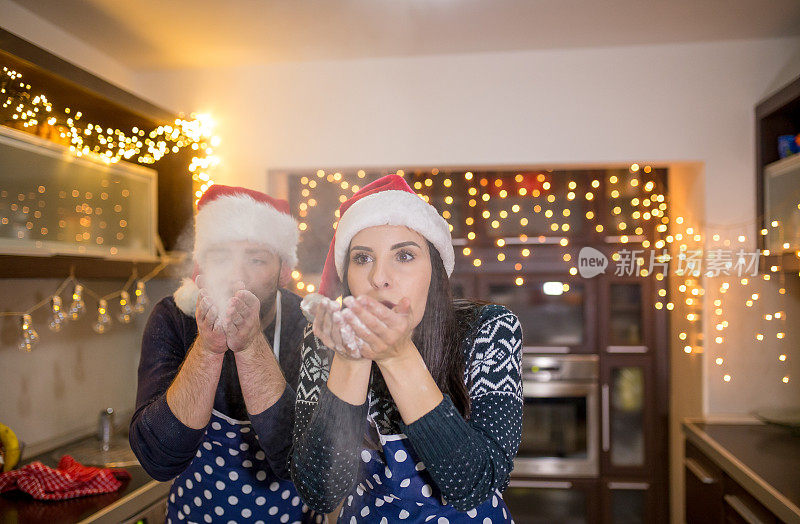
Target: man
{"points": [[219, 364]]}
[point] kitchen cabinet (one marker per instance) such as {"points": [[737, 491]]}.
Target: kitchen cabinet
{"points": [[627, 319], [629, 502], [556, 311], [626, 420], [561, 501], [703, 487], [741, 473], [713, 497], [67, 85], [776, 178]]}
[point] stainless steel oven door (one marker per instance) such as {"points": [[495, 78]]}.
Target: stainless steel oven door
{"points": [[560, 428]]}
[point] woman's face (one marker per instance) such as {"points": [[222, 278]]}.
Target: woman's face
{"points": [[389, 263]]}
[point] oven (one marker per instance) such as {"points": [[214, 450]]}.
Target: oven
{"points": [[560, 422]]}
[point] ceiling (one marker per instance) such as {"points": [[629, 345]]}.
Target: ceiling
{"points": [[148, 34]]}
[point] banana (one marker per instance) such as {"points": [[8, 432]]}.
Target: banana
{"points": [[10, 448]]}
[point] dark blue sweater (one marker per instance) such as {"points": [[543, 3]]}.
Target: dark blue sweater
{"points": [[162, 443], [468, 459]]}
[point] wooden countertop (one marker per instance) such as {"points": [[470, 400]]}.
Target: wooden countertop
{"points": [[762, 458]]}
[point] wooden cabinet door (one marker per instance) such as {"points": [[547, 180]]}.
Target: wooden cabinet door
{"points": [[626, 315], [627, 406], [629, 501], [553, 501], [703, 488]]}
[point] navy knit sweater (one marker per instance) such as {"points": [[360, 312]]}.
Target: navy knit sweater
{"points": [[162, 443], [468, 459]]}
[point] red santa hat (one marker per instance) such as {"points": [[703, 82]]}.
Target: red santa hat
{"points": [[386, 201], [227, 213]]}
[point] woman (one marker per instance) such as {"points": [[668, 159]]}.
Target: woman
{"points": [[409, 405]]}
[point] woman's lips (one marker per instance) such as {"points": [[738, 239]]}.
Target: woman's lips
{"points": [[388, 304]]}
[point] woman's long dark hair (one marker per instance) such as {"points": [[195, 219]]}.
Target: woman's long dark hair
{"points": [[440, 334]]}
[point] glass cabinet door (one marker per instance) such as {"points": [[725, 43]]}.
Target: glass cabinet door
{"points": [[555, 311], [627, 312], [626, 402]]}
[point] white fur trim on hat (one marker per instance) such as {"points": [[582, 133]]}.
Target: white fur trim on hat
{"points": [[186, 296], [395, 208], [241, 217]]}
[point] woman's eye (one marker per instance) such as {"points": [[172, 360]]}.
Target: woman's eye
{"points": [[405, 256], [257, 261], [361, 258]]}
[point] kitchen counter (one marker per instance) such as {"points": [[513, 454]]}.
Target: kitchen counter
{"points": [[135, 494], [763, 459]]}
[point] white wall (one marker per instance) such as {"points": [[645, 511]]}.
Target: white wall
{"points": [[46, 35]]}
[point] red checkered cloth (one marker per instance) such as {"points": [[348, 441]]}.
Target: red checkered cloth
{"points": [[71, 479]]}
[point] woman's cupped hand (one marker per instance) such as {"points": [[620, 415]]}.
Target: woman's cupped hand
{"points": [[365, 328]]}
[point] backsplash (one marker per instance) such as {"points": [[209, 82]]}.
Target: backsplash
{"points": [[59, 388]]}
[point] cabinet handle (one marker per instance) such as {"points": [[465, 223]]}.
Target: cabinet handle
{"points": [[741, 509], [641, 486], [544, 484], [545, 349], [606, 424], [704, 476], [627, 349]]}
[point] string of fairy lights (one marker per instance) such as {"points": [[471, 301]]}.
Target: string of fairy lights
{"points": [[638, 206], [58, 315], [35, 113], [29, 111]]}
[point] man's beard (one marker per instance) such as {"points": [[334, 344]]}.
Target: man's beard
{"points": [[267, 304], [269, 300]]}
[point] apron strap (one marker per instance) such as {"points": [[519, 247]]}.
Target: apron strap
{"points": [[276, 339]]}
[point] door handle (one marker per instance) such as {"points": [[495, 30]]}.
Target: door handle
{"points": [[542, 484], [641, 486], [606, 429]]}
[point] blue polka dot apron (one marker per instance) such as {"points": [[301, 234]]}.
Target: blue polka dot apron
{"points": [[230, 480], [397, 488]]}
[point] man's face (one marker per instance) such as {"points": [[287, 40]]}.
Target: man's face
{"points": [[252, 263]]}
